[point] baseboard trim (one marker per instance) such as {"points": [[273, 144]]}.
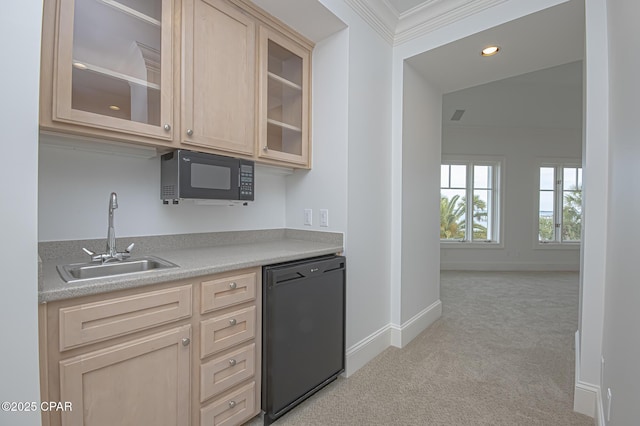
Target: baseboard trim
{"points": [[508, 266], [600, 421], [402, 335], [368, 348], [585, 395]]}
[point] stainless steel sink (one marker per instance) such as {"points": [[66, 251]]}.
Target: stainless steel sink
{"points": [[87, 271]]}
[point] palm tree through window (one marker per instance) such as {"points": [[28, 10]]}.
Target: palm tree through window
{"points": [[469, 201]]}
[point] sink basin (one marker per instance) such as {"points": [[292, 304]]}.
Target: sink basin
{"points": [[87, 271]]}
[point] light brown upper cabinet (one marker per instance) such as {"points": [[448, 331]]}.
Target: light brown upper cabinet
{"points": [[219, 76], [218, 92], [284, 100], [107, 65]]}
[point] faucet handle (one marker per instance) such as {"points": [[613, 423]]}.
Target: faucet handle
{"points": [[89, 252], [128, 249]]}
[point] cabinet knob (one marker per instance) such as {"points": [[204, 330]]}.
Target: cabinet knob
{"points": [[167, 127], [265, 148], [232, 321], [233, 286], [189, 132], [232, 404], [186, 341], [232, 362]]}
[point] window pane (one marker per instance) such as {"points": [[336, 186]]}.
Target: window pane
{"points": [[458, 176], [546, 178], [444, 176], [571, 215], [546, 223], [482, 177], [452, 214], [481, 214], [569, 178]]}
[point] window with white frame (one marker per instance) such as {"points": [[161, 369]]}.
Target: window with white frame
{"points": [[469, 201], [560, 203]]}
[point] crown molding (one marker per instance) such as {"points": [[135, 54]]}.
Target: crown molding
{"points": [[379, 14], [398, 28]]}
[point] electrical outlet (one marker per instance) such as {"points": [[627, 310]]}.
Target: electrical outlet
{"points": [[324, 217], [308, 217]]}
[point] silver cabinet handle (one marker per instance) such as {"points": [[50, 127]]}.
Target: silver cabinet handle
{"points": [[233, 286], [232, 321], [232, 362], [167, 127], [265, 148], [189, 132], [186, 341], [232, 404]]}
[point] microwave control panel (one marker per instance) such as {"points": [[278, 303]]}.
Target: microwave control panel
{"points": [[246, 180]]}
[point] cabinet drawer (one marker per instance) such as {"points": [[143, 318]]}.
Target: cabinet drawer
{"points": [[232, 409], [226, 371], [222, 332], [228, 291], [94, 322]]}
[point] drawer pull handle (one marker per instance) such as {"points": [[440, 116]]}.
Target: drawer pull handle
{"points": [[186, 341], [232, 321], [233, 286], [232, 362], [232, 404]]}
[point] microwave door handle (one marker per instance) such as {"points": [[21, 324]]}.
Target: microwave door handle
{"points": [[239, 178]]}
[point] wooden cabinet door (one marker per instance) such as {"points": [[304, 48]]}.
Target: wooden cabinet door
{"points": [[142, 382], [218, 77], [284, 120], [113, 66]]}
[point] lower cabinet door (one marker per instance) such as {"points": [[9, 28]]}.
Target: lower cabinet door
{"points": [[142, 382], [232, 409]]}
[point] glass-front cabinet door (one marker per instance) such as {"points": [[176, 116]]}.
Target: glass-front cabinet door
{"points": [[284, 100], [114, 66]]}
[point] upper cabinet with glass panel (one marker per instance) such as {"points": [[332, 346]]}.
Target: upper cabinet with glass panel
{"points": [[113, 66], [284, 99]]}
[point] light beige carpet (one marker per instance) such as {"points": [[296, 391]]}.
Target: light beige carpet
{"points": [[502, 354]]}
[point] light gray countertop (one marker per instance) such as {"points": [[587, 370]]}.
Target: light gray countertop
{"points": [[196, 255]]}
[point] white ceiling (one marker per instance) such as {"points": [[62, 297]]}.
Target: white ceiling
{"points": [[548, 98], [548, 38]]}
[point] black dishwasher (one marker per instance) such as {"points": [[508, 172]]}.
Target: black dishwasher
{"points": [[303, 330]]}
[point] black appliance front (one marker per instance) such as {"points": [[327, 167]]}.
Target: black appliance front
{"points": [[208, 176], [303, 331]]}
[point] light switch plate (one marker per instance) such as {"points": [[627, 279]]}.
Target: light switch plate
{"points": [[308, 217], [324, 217]]}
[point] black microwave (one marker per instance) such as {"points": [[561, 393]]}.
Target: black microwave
{"points": [[196, 175]]}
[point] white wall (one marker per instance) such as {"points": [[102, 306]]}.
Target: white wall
{"points": [[521, 150], [20, 28], [325, 185], [368, 190], [595, 198], [420, 286], [621, 347], [74, 188]]}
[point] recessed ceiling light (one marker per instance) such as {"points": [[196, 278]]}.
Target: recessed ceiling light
{"points": [[114, 107], [80, 65], [490, 50]]}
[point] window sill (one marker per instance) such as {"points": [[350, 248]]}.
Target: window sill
{"points": [[470, 245], [556, 246]]}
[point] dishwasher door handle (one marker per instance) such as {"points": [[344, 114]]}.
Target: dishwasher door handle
{"points": [[289, 273]]}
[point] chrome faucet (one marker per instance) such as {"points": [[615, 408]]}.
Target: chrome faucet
{"points": [[111, 232], [112, 253]]}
